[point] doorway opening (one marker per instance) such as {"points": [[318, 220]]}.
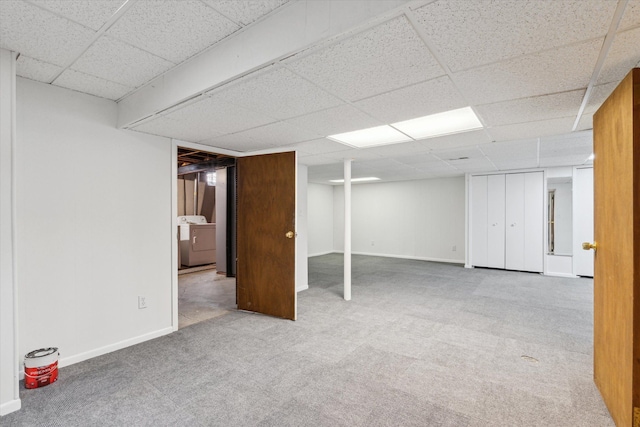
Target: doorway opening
{"points": [[206, 234]]}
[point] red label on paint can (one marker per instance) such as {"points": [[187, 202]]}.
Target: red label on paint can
{"points": [[41, 367]]}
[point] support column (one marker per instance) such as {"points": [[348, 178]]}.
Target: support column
{"points": [[347, 230]]}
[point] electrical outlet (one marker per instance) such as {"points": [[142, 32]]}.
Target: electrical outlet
{"points": [[454, 248], [142, 302]]}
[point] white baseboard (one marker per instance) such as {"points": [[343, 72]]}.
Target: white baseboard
{"points": [[468, 266], [10, 406], [445, 260], [302, 288], [561, 275], [321, 253], [66, 361]]}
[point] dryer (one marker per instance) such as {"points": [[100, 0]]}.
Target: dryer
{"points": [[197, 240]]}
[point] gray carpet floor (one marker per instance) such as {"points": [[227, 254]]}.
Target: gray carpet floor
{"points": [[420, 344]]}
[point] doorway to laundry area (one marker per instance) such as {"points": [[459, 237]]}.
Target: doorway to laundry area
{"points": [[205, 236]]}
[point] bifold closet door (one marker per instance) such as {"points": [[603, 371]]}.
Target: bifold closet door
{"points": [[534, 221], [514, 239], [524, 220], [479, 221], [496, 221]]}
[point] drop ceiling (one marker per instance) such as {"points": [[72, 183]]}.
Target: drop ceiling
{"points": [[533, 71]]}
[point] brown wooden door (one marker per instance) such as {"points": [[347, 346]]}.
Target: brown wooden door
{"points": [[266, 255], [616, 128]]}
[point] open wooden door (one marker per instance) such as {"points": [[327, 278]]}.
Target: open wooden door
{"points": [[616, 128], [265, 280]]}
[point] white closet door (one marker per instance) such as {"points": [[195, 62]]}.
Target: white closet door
{"points": [[514, 238], [496, 221], [534, 221], [583, 221], [479, 221]]}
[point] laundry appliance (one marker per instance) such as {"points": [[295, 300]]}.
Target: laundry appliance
{"points": [[197, 240]]}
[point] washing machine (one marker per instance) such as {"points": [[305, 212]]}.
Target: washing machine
{"points": [[197, 240]]}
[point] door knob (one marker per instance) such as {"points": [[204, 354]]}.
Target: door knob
{"points": [[586, 246], [289, 234]]}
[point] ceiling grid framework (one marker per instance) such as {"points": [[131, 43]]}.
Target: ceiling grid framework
{"points": [[529, 69]]}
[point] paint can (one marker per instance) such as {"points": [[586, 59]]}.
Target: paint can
{"points": [[41, 367]]}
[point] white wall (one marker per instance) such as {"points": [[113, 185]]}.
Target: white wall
{"points": [[302, 265], [320, 217], [410, 219], [9, 393], [94, 225]]}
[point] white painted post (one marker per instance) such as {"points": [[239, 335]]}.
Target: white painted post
{"points": [[347, 230]]}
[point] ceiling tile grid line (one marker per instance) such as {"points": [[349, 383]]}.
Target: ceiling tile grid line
{"points": [[93, 17], [410, 14], [112, 20], [606, 46]]}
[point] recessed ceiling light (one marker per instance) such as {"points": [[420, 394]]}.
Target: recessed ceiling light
{"points": [[446, 123], [368, 178], [379, 135]]}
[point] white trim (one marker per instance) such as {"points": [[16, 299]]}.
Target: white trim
{"points": [[300, 289], [14, 231], [66, 361], [418, 258], [174, 231], [321, 253], [10, 406]]}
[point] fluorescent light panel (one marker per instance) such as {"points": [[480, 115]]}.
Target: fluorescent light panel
{"points": [[368, 178], [379, 135], [446, 123]]}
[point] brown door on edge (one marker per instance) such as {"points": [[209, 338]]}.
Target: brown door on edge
{"points": [[266, 234], [616, 279]]}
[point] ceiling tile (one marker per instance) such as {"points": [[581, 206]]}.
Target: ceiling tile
{"points": [[172, 29], [219, 116], [586, 122], [319, 146], [459, 154], [118, 62], [463, 139], [81, 82], [39, 34], [245, 12], [422, 99], [171, 128], [573, 160], [281, 94], [240, 145], [386, 57], [36, 70], [318, 159], [90, 13], [343, 118], [631, 17], [523, 149], [470, 33], [402, 149], [271, 135], [416, 160], [599, 94], [536, 108], [357, 154], [622, 57], [532, 129], [474, 166], [511, 164], [552, 71]]}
